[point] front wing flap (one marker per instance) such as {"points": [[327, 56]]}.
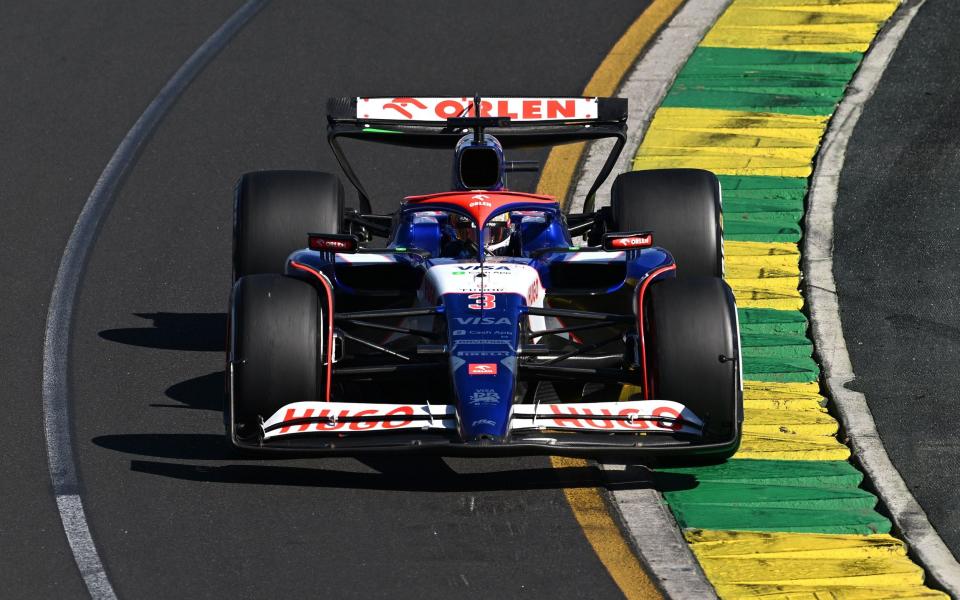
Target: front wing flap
{"points": [[658, 427]]}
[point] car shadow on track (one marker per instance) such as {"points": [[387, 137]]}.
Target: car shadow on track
{"points": [[413, 473], [203, 393], [200, 332]]}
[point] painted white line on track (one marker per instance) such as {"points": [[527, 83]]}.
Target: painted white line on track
{"points": [[821, 296], [645, 86], [56, 344], [649, 523]]}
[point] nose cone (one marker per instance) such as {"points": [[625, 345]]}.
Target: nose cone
{"points": [[483, 349], [484, 391]]}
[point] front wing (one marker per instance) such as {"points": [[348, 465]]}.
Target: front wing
{"points": [[651, 427]]}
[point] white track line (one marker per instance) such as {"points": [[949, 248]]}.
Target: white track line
{"points": [[648, 521], [821, 296], [56, 344]]}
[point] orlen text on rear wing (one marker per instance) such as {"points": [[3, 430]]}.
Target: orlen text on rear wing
{"points": [[431, 122]]}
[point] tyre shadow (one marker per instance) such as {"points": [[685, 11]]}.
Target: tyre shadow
{"points": [[205, 392], [198, 332]]}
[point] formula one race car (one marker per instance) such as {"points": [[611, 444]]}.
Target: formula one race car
{"points": [[490, 322]]}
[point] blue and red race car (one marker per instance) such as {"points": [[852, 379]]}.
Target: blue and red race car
{"points": [[489, 322]]}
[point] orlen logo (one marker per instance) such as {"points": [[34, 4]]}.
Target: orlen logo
{"points": [[332, 243], [627, 241], [634, 241], [480, 200], [400, 105], [322, 244], [482, 369]]}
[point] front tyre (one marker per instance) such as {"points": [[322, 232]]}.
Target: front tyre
{"points": [[274, 347], [694, 354]]}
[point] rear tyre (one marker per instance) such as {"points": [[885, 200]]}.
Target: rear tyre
{"points": [[693, 323], [274, 346], [681, 207], [273, 213]]}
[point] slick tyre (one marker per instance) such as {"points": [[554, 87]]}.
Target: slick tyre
{"points": [[273, 213], [274, 346], [694, 354], [681, 207]]}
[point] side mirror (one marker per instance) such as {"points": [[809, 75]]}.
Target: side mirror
{"points": [[343, 243], [636, 240]]}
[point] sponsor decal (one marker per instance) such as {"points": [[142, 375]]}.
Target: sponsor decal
{"points": [[482, 369], [649, 416], [503, 340], [335, 419], [458, 332], [483, 321], [346, 417], [480, 200], [631, 241], [484, 422], [400, 106], [329, 242], [490, 268], [484, 397], [533, 294], [441, 109]]}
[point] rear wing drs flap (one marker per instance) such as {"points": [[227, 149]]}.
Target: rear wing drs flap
{"points": [[439, 121]]}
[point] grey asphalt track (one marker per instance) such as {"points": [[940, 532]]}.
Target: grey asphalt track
{"points": [[897, 244], [172, 512]]}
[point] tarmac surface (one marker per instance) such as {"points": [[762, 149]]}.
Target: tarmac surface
{"points": [[171, 510], [896, 264]]}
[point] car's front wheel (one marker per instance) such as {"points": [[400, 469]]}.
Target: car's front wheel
{"points": [[694, 353], [274, 347]]}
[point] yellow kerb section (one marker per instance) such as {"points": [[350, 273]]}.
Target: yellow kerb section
{"points": [[783, 421], [801, 566], [764, 274], [800, 25], [730, 142], [787, 421]]}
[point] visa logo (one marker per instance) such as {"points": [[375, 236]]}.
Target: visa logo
{"points": [[483, 321], [484, 268]]}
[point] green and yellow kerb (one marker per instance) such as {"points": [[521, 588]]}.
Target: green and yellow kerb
{"points": [[786, 518]]}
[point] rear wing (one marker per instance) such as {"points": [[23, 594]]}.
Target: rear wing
{"points": [[439, 121]]}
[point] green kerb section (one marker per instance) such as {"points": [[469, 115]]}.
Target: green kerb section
{"points": [[775, 346], [770, 495], [763, 209], [780, 81], [767, 321]]}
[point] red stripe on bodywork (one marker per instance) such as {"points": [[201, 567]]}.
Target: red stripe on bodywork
{"points": [[329, 293], [647, 386]]}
